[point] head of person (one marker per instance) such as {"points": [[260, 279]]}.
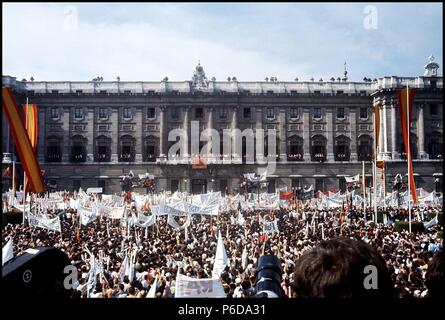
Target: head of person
{"points": [[342, 268], [435, 276]]}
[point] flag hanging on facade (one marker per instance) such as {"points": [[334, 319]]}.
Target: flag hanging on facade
{"points": [[377, 124], [31, 123], [405, 110], [22, 142]]}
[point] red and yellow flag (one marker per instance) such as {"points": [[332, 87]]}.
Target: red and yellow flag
{"points": [[22, 142], [31, 123], [405, 108], [377, 124]]}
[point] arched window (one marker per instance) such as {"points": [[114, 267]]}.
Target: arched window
{"points": [[295, 149], [103, 152], [318, 148], [126, 149], [342, 150], [53, 149], [78, 148], [277, 146], [150, 149], [365, 148], [435, 145]]}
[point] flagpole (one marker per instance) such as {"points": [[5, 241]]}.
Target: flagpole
{"points": [[374, 166], [408, 157], [24, 171], [364, 186], [13, 179]]}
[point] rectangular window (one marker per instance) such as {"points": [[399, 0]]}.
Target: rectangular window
{"points": [[151, 113], [340, 113], [78, 113], [433, 109], [294, 113], [246, 113], [223, 113], [199, 113], [363, 113], [174, 185], [223, 185], [296, 183], [342, 184], [54, 113], [103, 113], [76, 185], [319, 185], [101, 184], [127, 113], [174, 113], [317, 113], [270, 113]]}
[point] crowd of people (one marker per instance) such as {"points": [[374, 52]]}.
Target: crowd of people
{"points": [[319, 251]]}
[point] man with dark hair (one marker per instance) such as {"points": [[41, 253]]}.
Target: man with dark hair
{"points": [[434, 277], [339, 268]]}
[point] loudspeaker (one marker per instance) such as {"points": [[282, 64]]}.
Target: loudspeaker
{"points": [[37, 272]]}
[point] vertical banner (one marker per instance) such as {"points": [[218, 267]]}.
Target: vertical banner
{"points": [[404, 110], [22, 142]]}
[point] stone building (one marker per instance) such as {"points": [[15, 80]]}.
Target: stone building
{"points": [[93, 132]]}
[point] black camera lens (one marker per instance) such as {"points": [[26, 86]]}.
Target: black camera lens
{"points": [[268, 277]]}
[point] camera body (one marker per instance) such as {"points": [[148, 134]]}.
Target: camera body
{"points": [[268, 277]]}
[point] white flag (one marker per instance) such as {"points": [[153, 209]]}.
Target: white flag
{"points": [[152, 292], [244, 258], [220, 258], [7, 252]]}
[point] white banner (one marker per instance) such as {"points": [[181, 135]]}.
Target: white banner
{"points": [[172, 222], [187, 287], [43, 222], [86, 215]]}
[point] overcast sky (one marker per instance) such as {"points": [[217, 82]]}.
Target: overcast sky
{"points": [[250, 41]]}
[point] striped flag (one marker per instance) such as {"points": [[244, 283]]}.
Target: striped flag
{"points": [[377, 123], [404, 111], [31, 123], [22, 142]]}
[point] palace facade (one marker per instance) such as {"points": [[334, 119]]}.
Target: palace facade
{"points": [[93, 132]]}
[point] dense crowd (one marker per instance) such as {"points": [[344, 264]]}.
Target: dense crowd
{"points": [[162, 250]]}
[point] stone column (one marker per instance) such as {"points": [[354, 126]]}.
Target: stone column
{"points": [[352, 133], [330, 134], [115, 121], [386, 154], [421, 132], [162, 134], [186, 127], [259, 126], [381, 135], [210, 126], [89, 119], [283, 135], [234, 125], [66, 126], [394, 152], [306, 134]]}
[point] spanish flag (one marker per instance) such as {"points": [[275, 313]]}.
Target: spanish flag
{"points": [[403, 95], [22, 142], [377, 124], [31, 123]]}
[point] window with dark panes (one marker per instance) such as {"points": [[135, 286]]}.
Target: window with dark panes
{"points": [[78, 113], [127, 113], [54, 113], [270, 113], [294, 113], [103, 113], [151, 113], [363, 113], [340, 113], [199, 113], [246, 113], [317, 113]]}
